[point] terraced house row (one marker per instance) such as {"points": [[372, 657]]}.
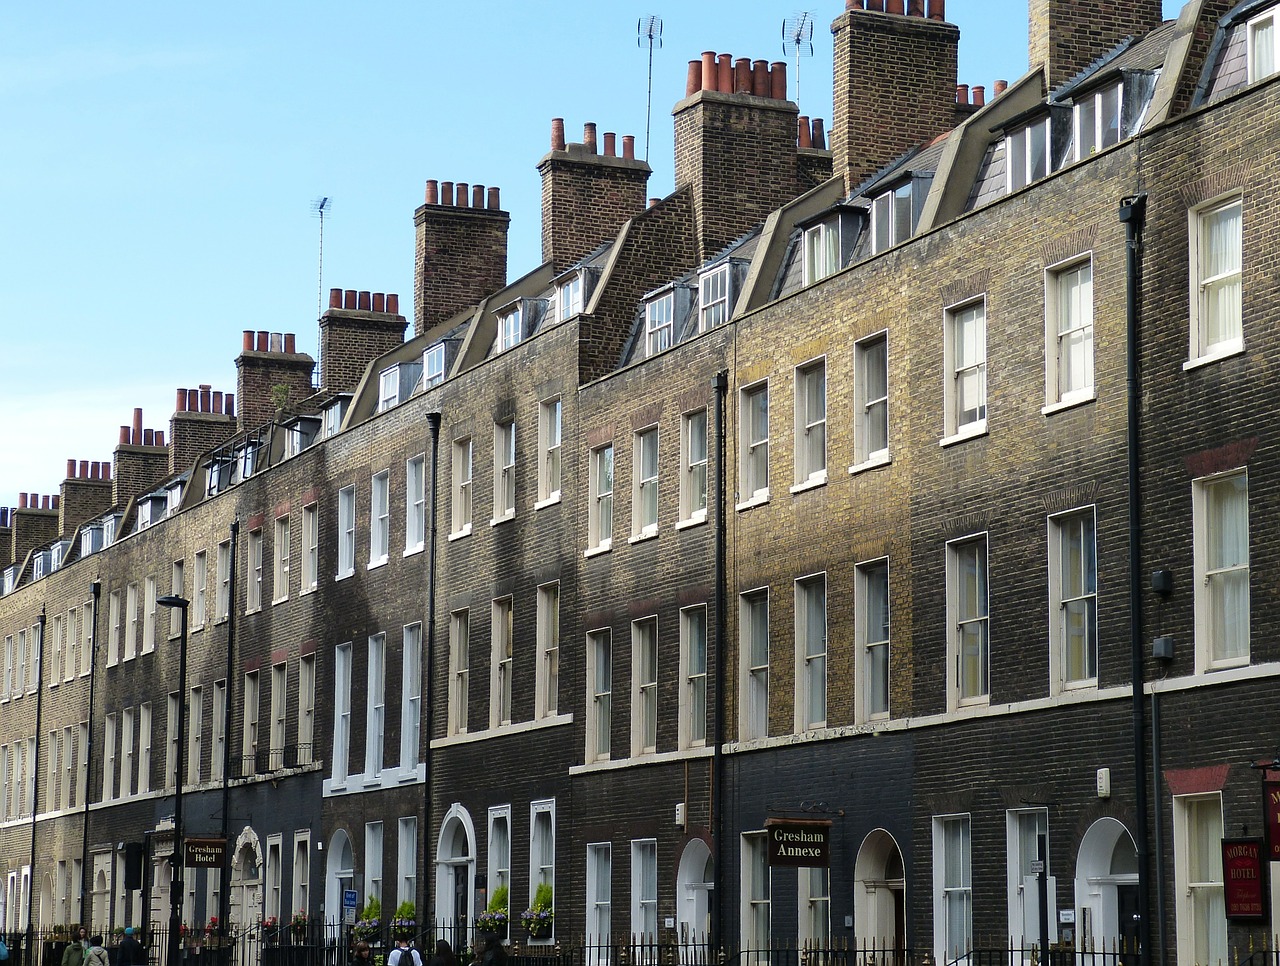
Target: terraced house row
{"points": [[908, 493]]}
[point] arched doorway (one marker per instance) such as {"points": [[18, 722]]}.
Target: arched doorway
{"points": [[246, 879], [47, 913], [339, 873], [101, 901], [455, 875], [879, 900], [1107, 888], [694, 881]]}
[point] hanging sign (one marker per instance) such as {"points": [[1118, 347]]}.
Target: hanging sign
{"points": [[1271, 807], [205, 853], [1242, 878], [799, 844]]}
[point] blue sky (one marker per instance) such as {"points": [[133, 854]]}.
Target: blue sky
{"points": [[160, 161]]}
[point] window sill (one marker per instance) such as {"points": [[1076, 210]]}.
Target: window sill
{"points": [[760, 498], [417, 548], [1225, 351], [812, 483], [505, 518], [875, 461], [307, 590], [459, 534], [697, 521], [248, 612], [642, 537], [597, 551], [280, 600], [349, 573], [1225, 665], [972, 431], [1070, 403], [375, 564], [195, 627], [552, 500]]}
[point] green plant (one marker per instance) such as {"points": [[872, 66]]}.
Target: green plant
{"points": [[406, 919], [540, 915], [279, 396], [498, 902]]}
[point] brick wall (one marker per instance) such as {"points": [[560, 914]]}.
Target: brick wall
{"points": [[84, 495], [1065, 36], [460, 255], [203, 420], [351, 338], [265, 364]]}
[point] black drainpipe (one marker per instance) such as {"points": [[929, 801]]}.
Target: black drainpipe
{"points": [[721, 386], [92, 643], [1132, 216], [428, 702], [224, 887]]}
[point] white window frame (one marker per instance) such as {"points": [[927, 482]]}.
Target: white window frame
{"points": [[341, 757], [693, 677], [599, 694], [542, 852], [891, 218], [1068, 300], [306, 708], [373, 848], [1212, 573], [280, 558], [504, 470], [644, 890], [218, 746], [601, 471], [1027, 155], [407, 859], [871, 412], [599, 897], [1071, 594], [253, 561], [1091, 133], [644, 482], [144, 751], [952, 885], [547, 673], [459, 671], [510, 328], [963, 688], [715, 297], [755, 913], [346, 531], [277, 738], [410, 696], [379, 519], [813, 893], [463, 490], [222, 601], [753, 460], [1205, 347], [961, 368], [810, 424], [433, 366], [550, 429], [753, 617], [872, 636], [415, 504], [1023, 827], [694, 462], [150, 593], [659, 323], [821, 253], [1199, 892], [375, 720], [388, 388], [1263, 57], [130, 630], [195, 737], [811, 652], [199, 590], [499, 851], [501, 661], [127, 762], [644, 686], [569, 297], [310, 547], [252, 703]]}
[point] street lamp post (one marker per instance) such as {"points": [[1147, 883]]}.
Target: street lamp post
{"points": [[177, 887]]}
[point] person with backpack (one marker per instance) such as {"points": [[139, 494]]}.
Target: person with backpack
{"points": [[97, 953], [398, 958]]}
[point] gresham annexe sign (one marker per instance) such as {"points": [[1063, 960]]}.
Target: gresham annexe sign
{"points": [[799, 844]]}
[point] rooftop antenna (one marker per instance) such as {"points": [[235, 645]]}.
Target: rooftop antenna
{"points": [[320, 207], [797, 40], [649, 34]]}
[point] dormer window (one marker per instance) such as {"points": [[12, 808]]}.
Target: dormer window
{"points": [[659, 323], [715, 297], [9, 575], [569, 297], [433, 366], [300, 434], [57, 553], [90, 540], [173, 497], [333, 414], [821, 250], [1097, 120], [1262, 46], [1027, 155], [891, 218], [510, 328], [151, 509], [40, 564], [395, 384], [109, 530]]}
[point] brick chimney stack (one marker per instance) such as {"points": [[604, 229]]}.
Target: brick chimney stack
{"points": [[1065, 36], [34, 523], [6, 535], [141, 461], [202, 420], [357, 328], [586, 195], [894, 84], [268, 360], [86, 493], [737, 146], [460, 253]]}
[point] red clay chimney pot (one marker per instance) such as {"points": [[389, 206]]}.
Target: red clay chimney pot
{"points": [[229, 407], [215, 403], [760, 78], [819, 135], [22, 501], [724, 73], [180, 402], [349, 298], [937, 9], [335, 298], [125, 436], [379, 302], [137, 425], [71, 469], [962, 93], [778, 80], [366, 301], [1000, 87], [148, 437], [710, 74], [494, 199], [159, 437], [915, 8], [557, 134], [979, 95], [895, 6], [477, 196], [589, 137], [742, 75], [802, 125], [290, 343], [629, 146], [433, 192], [84, 470], [247, 344], [693, 80], [55, 501], [393, 304], [610, 144], [264, 340], [463, 193], [446, 195]]}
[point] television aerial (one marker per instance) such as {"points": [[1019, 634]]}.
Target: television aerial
{"points": [[649, 34], [797, 41], [321, 207]]}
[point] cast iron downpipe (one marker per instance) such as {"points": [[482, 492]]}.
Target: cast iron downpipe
{"points": [[721, 385], [92, 643], [428, 704], [35, 784], [1132, 216], [224, 887]]}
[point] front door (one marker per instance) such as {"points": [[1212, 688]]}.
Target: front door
{"points": [[1127, 907], [459, 906]]}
